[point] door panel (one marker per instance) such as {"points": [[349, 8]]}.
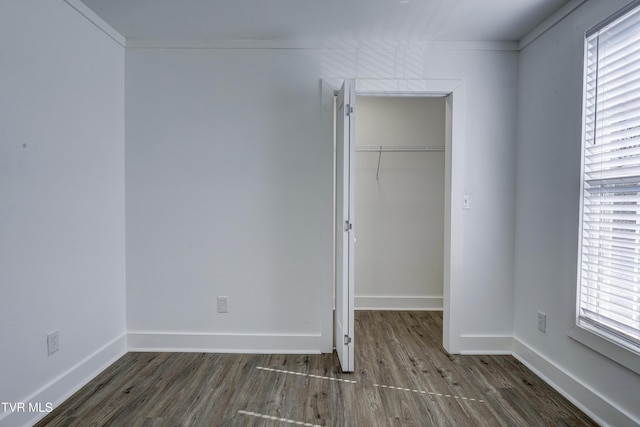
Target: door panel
{"points": [[345, 230]]}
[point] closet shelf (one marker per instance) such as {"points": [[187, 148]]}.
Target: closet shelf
{"points": [[397, 148]]}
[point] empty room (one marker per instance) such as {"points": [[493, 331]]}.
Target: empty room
{"points": [[203, 222]]}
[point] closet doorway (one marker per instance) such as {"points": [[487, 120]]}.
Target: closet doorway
{"points": [[453, 92], [400, 202]]}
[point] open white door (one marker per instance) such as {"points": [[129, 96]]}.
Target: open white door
{"points": [[345, 231]]}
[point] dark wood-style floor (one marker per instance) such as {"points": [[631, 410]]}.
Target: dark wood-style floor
{"points": [[403, 378]]}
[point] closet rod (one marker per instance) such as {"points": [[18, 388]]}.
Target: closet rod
{"points": [[397, 148]]}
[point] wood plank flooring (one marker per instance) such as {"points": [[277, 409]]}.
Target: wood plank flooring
{"points": [[403, 378]]}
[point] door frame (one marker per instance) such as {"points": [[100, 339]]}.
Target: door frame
{"points": [[455, 127]]}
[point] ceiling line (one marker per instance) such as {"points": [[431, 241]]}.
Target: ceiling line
{"points": [[92, 17], [549, 23]]}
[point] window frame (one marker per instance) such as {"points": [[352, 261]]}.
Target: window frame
{"points": [[588, 335]]}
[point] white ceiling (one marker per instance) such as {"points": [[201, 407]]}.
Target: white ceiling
{"points": [[388, 20]]}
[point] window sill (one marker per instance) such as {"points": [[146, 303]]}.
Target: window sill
{"points": [[627, 358]]}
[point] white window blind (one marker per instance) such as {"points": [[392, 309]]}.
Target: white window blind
{"points": [[609, 283]]}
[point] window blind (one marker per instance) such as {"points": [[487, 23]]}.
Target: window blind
{"points": [[609, 283]]}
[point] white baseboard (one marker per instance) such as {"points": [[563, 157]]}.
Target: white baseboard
{"points": [[61, 388], [398, 303], [590, 402], [225, 343], [484, 344]]}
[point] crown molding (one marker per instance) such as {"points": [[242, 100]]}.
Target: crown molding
{"points": [[549, 23], [90, 15], [133, 43]]}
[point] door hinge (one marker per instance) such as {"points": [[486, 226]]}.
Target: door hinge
{"points": [[348, 226], [349, 110], [347, 340]]}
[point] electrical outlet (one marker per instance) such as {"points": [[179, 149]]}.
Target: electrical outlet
{"points": [[542, 322], [223, 304], [53, 342]]}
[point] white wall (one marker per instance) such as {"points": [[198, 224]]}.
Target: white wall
{"points": [[228, 193], [229, 190], [547, 212], [400, 215], [61, 202]]}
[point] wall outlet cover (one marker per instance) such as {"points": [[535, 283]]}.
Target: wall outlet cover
{"points": [[542, 322], [223, 304], [53, 342]]}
